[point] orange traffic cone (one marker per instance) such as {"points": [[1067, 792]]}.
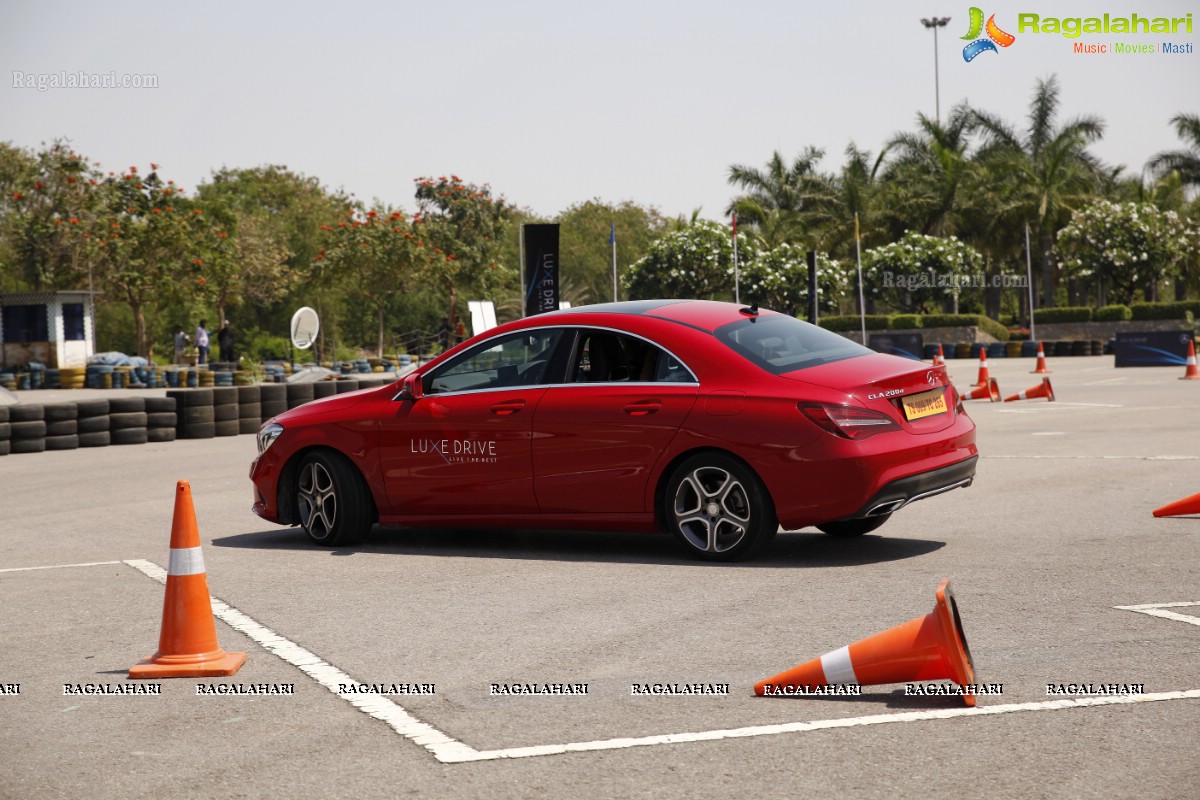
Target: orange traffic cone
{"points": [[923, 649], [1191, 373], [1041, 368], [187, 646], [940, 359], [1043, 390], [1180, 508], [990, 392], [982, 380]]}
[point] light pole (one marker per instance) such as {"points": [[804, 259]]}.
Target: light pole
{"points": [[935, 23]]}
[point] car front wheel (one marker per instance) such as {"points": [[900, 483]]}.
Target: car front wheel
{"points": [[718, 508], [333, 503]]}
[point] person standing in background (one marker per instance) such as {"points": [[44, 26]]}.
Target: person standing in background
{"points": [[202, 342], [181, 343], [225, 342]]}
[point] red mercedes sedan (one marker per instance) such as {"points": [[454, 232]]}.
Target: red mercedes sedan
{"points": [[715, 422]]}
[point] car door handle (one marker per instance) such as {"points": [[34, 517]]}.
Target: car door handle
{"points": [[508, 407], [642, 408]]}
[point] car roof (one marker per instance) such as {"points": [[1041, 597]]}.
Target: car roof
{"points": [[705, 315]]}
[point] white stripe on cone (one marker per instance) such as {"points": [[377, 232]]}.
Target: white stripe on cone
{"points": [[838, 667], [185, 561]]}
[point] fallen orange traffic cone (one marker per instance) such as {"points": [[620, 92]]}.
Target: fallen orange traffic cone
{"points": [[1042, 390], [187, 646], [940, 358], [989, 392], [1191, 373], [924, 649], [1180, 508], [1041, 368], [982, 380]]}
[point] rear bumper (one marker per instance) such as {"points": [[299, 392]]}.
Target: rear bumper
{"points": [[903, 491]]}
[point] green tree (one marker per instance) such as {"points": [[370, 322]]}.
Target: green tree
{"points": [[1045, 172], [585, 252], [918, 273], [784, 202], [927, 171], [1185, 161], [695, 262]]}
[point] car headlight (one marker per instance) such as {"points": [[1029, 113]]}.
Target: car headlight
{"points": [[267, 435]]}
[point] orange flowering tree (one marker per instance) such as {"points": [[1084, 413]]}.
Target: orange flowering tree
{"points": [[49, 202], [376, 255], [242, 261], [147, 243], [466, 224]]}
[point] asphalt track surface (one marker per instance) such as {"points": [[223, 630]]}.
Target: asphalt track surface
{"points": [[1055, 536]]}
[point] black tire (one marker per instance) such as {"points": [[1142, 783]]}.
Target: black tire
{"points": [[223, 412], [160, 434], [250, 411], [95, 439], [273, 393], [161, 419], [191, 398], [199, 430], [248, 394], [63, 427], [60, 412], [193, 415], [5, 447], [26, 412], [93, 424], [3, 413], [25, 431], [324, 389], [226, 427], [29, 445], [127, 420], [62, 442], [273, 409], [250, 426], [718, 508], [129, 436], [333, 504], [5, 431], [853, 527], [161, 405], [298, 394], [225, 395], [126, 405], [347, 386], [91, 408]]}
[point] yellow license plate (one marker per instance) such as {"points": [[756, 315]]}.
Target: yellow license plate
{"points": [[925, 404]]}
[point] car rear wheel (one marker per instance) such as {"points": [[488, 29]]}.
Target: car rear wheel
{"points": [[333, 504], [718, 508], [853, 527]]}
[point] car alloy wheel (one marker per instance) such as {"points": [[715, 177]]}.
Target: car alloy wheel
{"points": [[333, 502], [718, 508], [318, 500]]}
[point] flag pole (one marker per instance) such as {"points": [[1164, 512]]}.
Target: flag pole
{"points": [[612, 240], [737, 291], [862, 304], [1029, 279]]}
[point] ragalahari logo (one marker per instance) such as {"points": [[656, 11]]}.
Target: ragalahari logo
{"points": [[995, 36]]}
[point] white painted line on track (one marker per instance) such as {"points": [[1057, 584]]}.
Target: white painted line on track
{"points": [[451, 751], [443, 748], [1158, 610], [61, 566]]}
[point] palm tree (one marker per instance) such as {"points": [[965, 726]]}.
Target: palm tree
{"points": [[784, 202], [1046, 171], [930, 167], [1186, 162]]}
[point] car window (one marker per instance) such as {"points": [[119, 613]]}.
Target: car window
{"points": [[610, 357], [781, 344], [518, 359]]}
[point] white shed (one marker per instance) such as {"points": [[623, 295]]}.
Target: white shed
{"points": [[57, 329]]}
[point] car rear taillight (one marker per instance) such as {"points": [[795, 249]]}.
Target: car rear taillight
{"points": [[849, 422]]}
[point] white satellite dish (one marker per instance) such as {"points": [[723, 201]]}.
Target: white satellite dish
{"points": [[305, 325]]}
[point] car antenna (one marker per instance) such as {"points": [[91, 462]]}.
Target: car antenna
{"points": [[750, 311]]}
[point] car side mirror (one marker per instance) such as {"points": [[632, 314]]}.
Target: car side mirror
{"points": [[411, 389]]}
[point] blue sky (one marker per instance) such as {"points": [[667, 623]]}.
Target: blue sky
{"points": [[553, 103]]}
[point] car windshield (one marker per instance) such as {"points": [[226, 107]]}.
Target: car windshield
{"points": [[780, 344]]}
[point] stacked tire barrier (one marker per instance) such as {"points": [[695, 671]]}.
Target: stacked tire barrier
{"points": [[62, 426], [249, 408], [225, 410], [27, 427], [5, 432], [324, 389], [161, 420], [127, 420], [91, 418], [193, 413], [274, 400], [298, 394]]}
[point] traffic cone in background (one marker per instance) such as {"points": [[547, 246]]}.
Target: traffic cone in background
{"points": [[1042, 390], [1180, 508], [187, 646], [940, 359], [1191, 373], [924, 649], [990, 392], [1041, 368], [982, 380]]}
